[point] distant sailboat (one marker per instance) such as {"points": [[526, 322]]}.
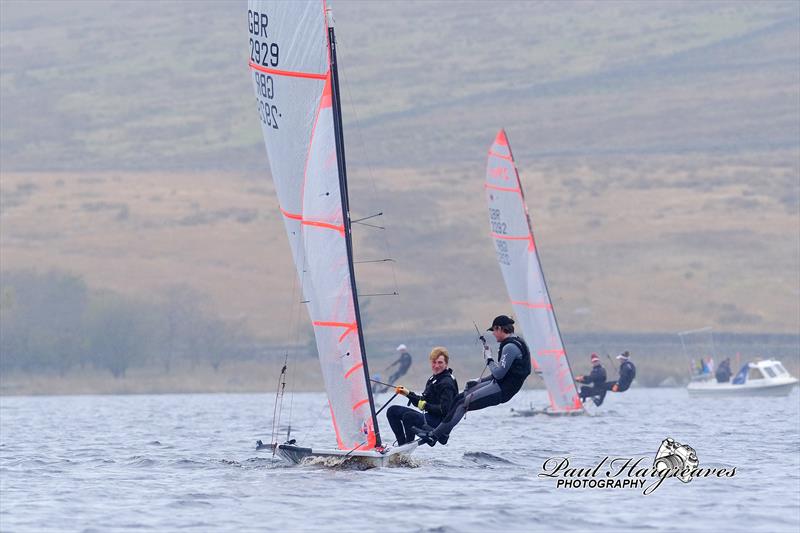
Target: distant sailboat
{"points": [[294, 71], [518, 258]]}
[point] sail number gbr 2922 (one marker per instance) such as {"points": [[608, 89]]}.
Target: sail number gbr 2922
{"points": [[265, 54]]}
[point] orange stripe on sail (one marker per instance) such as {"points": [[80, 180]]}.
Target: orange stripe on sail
{"points": [[566, 387], [510, 237], [498, 188], [515, 238], [289, 73], [534, 305], [350, 372], [348, 331], [551, 352], [350, 327], [359, 404], [339, 440], [327, 94], [333, 324], [501, 156], [291, 215], [577, 403], [327, 225]]}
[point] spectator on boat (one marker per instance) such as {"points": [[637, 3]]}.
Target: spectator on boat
{"points": [[505, 379], [596, 380], [627, 371], [724, 373], [433, 404]]}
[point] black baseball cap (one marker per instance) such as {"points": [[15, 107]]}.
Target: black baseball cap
{"points": [[501, 321]]}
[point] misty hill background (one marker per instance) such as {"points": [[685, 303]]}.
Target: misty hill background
{"points": [[658, 143]]}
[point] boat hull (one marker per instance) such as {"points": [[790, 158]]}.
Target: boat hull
{"points": [[371, 458], [547, 412], [710, 389]]}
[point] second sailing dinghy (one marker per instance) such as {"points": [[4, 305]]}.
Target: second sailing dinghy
{"points": [[518, 257], [293, 66]]}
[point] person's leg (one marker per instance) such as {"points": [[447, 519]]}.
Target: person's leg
{"points": [[599, 397], [411, 419], [481, 396], [395, 416], [586, 392]]}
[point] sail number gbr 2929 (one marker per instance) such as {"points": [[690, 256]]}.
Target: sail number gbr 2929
{"points": [[265, 54]]}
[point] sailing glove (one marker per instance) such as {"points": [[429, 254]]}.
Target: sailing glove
{"points": [[421, 405]]}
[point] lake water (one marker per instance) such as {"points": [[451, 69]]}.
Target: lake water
{"points": [[187, 462]]}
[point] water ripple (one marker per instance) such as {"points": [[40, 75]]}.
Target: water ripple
{"points": [[186, 463]]}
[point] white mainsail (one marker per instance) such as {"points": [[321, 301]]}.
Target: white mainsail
{"points": [[512, 232], [293, 70]]}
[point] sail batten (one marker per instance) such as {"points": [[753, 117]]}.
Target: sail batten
{"points": [[512, 232], [295, 88]]}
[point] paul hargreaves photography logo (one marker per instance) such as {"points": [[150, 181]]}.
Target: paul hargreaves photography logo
{"points": [[672, 460]]}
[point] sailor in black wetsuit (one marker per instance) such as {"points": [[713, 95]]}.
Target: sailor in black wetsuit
{"points": [[440, 391], [723, 373], [596, 379], [501, 385], [404, 362], [627, 371]]}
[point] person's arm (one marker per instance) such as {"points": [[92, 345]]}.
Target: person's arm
{"points": [[510, 353], [413, 398], [390, 366]]}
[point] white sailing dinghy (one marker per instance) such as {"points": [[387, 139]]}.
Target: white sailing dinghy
{"points": [[293, 65], [518, 258]]}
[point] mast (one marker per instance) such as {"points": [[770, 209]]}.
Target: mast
{"points": [[340, 158]]}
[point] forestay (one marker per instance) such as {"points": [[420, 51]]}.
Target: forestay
{"points": [[290, 63], [519, 260]]}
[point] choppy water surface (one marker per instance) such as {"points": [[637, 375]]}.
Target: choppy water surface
{"points": [[167, 462]]}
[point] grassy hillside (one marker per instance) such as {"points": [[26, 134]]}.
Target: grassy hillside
{"points": [[659, 145]]}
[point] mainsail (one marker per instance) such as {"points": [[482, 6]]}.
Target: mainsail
{"points": [[512, 232], [293, 65]]}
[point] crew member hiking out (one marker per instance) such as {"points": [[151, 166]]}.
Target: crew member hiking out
{"points": [[440, 392], [505, 379], [627, 371], [596, 379], [403, 362]]}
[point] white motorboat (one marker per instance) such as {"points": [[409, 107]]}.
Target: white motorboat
{"points": [[756, 378]]}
